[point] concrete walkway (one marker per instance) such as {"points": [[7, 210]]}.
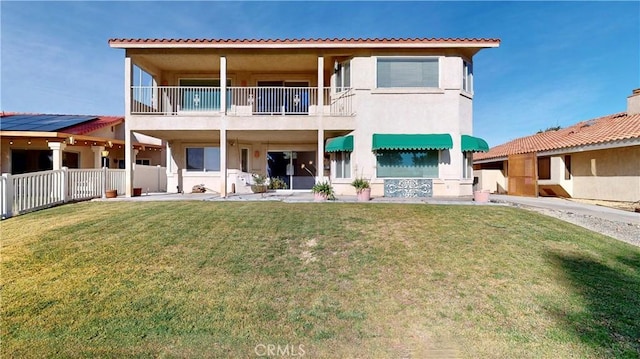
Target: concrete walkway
{"points": [[495, 199], [559, 204]]}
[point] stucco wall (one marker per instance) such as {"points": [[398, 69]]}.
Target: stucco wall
{"points": [[492, 180], [445, 109], [411, 111], [612, 174]]}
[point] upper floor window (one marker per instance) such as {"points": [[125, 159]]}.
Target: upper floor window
{"points": [[467, 76], [408, 72], [343, 76]]}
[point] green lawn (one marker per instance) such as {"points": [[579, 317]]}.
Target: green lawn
{"points": [[313, 280]]}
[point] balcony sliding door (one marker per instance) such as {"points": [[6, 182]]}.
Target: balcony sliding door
{"points": [[202, 94], [282, 97]]}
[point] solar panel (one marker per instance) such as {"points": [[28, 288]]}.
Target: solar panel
{"points": [[41, 123]]}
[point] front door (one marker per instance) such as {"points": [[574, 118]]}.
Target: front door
{"points": [[296, 168]]}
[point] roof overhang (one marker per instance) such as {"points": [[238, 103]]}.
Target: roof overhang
{"points": [[575, 149], [426, 43], [71, 139]]}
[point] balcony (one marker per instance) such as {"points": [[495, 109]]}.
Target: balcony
{"points": [[240, 101]]}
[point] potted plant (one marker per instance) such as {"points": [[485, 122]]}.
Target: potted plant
{"points": [[259, 183], [322, 191], [277, 183], [363, 189]]}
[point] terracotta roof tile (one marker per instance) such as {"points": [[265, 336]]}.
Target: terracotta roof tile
{"points": [[309, 41], [605, 129], [93, 125]]}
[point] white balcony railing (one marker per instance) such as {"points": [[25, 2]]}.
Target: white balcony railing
{"points": [[240, 101]]}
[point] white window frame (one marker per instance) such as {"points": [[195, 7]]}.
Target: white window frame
{"points": [[438, 59], [204, 147], [467, 165], [467, 76], [344, 67], [141, 160], [340, 163]]}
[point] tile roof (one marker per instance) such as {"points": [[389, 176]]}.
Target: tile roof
{"points": [[309, 41], [83, 124], [600, 130], [93, 125]]}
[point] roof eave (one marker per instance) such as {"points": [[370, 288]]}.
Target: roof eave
{"points": [[155, 44]]}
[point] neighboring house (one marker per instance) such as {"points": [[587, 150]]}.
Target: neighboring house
{"points": [[594, 159], [395, 111], [40, 142]]}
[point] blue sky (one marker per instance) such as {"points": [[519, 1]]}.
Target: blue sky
{"points": [[559, 62]]}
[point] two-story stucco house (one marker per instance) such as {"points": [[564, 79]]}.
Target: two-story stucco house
{"points": [[395, 111]]}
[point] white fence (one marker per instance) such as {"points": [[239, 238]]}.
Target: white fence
{"points": [[240, 101], [32, 191]]}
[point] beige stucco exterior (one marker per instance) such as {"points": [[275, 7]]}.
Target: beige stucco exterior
{"points": [[445, 109], [611, 174]]}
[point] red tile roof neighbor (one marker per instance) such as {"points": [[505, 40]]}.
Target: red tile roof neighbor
{"points": [[93, 125], [601, 130], [316, 41]]}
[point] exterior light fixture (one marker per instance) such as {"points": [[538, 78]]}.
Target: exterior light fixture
{"points": [[105, 154]]}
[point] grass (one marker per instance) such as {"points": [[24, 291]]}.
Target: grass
{"points": [[317, 280]]}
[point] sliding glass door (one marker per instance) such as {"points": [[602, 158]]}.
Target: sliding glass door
{"points": [[296, 168]]}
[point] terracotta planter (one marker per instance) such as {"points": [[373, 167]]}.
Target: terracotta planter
{"points": [[137, 192], [364, 195], [481, 196], [111, 193], [258, 188], [319, 197]]}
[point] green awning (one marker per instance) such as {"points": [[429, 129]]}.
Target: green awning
{"points": [[431, 141], [339, 144], [474, 144]]}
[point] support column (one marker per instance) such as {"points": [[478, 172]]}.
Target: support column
{"points": [[320, 159], [128, 134], [223, 162], [57, 148], [223, 84], [320, 113], [128, 81], [320, 105], [129, 159], [97, 156]]}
